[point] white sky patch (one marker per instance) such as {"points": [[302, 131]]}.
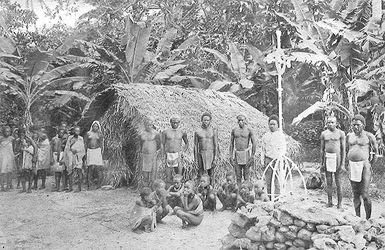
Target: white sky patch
{"points": [[64, 16]]}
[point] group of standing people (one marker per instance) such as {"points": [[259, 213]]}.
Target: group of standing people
{"points": [[173, 143], [31, 155], [362, 152]]}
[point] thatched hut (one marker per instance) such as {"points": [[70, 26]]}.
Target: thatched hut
{"points": [[122, 109]]}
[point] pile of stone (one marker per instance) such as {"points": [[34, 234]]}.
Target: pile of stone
{"points": [[302, 225]]}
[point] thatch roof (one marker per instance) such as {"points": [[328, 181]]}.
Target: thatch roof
{"points": [[123, 108]]}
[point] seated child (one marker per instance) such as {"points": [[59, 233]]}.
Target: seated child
{"points": [[175, 192], [191, 211], [227, 194], [206, 193], [143, 214], [245, 196], [260, 193], [160, 196]]}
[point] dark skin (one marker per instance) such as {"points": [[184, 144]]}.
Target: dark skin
{"points": [[333, 141], [205, 139], [361, 145], [227, 194]]}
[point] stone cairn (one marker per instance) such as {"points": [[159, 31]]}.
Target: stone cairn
{"points": [[302, 225]]}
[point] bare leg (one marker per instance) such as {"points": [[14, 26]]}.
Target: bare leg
{"points": [[191, 219], [246, 172], [89, 176], [356, 187], [168, 176], [366, 176], [238, 174], [337, 176], [329, 188]]}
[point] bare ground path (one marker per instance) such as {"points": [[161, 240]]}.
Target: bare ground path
{"points": [[98, 220]]}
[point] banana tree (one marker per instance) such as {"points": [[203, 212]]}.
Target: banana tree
{"points": [[37, 77], [237, 73]]}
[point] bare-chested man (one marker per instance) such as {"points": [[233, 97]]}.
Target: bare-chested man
{"points": [[205, 146], [57, 157], [94, 149], [172, 143], [362, 152], [150, 144], [333, 158], [244, 152]]}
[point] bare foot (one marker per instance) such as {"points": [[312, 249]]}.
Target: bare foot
{"points": [[184, 224], [329, 205]]}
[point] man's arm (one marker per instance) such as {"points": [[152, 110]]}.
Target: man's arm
{"points": [[232, 140], [322, 150], [196, 144], [101, 143], [185, 140], [343, 149], [253, 143], [215, 141], [373, 147]]}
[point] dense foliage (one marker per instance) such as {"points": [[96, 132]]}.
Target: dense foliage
{"points": [[333, 51]]}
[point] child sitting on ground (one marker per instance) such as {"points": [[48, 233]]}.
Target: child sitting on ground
{"points": [[260, 193], [245, 196], [143, 215], [227, 194], [191, 211], [160, 196], [175, 192], [206, 193]]}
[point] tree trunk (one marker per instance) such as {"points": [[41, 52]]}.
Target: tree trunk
{"points": [[27, 117]]}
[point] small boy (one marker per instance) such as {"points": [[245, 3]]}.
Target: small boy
{"points": [[143, 214], [246, 195], [227, 194], [160, 196], [175, 192], [206, 193], [260, 191]]}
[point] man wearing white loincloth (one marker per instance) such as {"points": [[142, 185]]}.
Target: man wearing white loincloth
{"points": [[242, 149], [172, 144], [361, 144], [333, 158], [94, 150]]}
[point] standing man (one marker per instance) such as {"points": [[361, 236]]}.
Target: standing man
{"points": [[273, 147], [57, 158], [43, 158], [362, 153], [94, 150], [172, 143], [150, 143], [7, 158], [73, 157], [241, 138], [333, 153], [206, 146]]}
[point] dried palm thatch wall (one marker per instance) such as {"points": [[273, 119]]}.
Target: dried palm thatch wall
{"points": [[122, 109]]}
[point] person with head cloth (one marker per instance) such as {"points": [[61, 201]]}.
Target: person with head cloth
{"points": [[273, 147], [206, 146], [94, 150], [362, 153], [172, 139], [242, 149]]}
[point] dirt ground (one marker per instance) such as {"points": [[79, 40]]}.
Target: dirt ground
{"points": [[98, 219]]}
